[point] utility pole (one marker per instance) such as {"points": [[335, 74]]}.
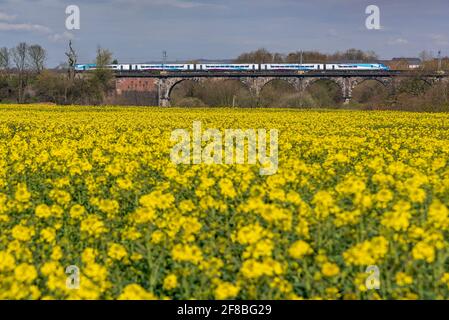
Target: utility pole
{"points": [[439, 61], [164, 59], [301, 60]]}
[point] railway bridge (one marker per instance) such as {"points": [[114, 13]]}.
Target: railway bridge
{"points": [[255, 81]]}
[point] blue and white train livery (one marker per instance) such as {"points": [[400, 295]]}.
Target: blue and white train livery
{"points": [[240, 67], [227, 67]]}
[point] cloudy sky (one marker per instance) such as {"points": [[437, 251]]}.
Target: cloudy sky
{"points": [[139, 30]]}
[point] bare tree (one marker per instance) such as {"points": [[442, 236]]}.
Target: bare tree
{"points": [[71, 61], [4, 58], [19, 56], [425, 56], [36, 57], [104, 57]]}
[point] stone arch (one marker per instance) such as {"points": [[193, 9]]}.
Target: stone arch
{"points": [[255, 84], [425, 81], [227, 91], [166, 86], [307, 82], [383, 81], [342, 83], [295, 83], [375, 88], [198, 80]]}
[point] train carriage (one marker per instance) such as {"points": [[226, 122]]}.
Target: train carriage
{"points": [[227, 67], [357, 66], [291, 67]]}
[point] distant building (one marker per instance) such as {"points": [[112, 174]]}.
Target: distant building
{"points": [[413, 63]]}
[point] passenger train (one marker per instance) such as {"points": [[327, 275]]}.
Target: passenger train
{"points": [[239, 67]]}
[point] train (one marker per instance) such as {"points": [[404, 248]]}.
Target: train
{"points": [[239, 67]]}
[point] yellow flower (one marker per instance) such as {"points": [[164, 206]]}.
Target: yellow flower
{"points": [[22, 194], [48, 234], [384, 195], [25, 273], [109, 206], [117, 251], [93, 225], [60, 196], [143, 215], [7, 261], [43, 211], [125, 184], [22, 233], [226, 290], [330, 269], [157, 236], [190, 253], [250, 234], [299, 249], [438, 215], [403, 279], [77, 211], [444, 279], [367, 253], [423, 251], [396, 220], [88, 255], [254, 269], [57, 253], [227, 188], [170, 282], [136, 292]]}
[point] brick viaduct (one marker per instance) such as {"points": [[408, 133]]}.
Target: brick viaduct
{"points": [[255, 82]]}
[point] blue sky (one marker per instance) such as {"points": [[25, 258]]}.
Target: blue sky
{"points": [[139, 30]]}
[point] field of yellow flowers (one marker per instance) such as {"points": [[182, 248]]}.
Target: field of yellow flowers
{"points": [[94, 187]]}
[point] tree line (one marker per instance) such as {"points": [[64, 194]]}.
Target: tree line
{"points": [[24, 77], [264, 56]]}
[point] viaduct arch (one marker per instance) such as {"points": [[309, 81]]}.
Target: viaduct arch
{"points": [[255, 83]]}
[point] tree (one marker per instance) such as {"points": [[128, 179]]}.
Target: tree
{"points": [[259, 56], [101, 82], [19, 56], [36, 58], [104, 57], [425, 56], [4, 59], [355, 55]]}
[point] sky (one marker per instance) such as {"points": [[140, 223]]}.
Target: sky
{"points": [[140, 30]]}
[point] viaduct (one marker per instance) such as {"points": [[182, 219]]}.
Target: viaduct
{"points": [[164, 82]]}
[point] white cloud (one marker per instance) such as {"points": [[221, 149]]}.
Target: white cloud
{"points": [[180, 4], [398, 41], [4, 26], [61, 37], [6, 17], [440, 39]]}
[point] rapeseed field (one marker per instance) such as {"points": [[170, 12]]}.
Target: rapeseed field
{"points": [[93, 189]]}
